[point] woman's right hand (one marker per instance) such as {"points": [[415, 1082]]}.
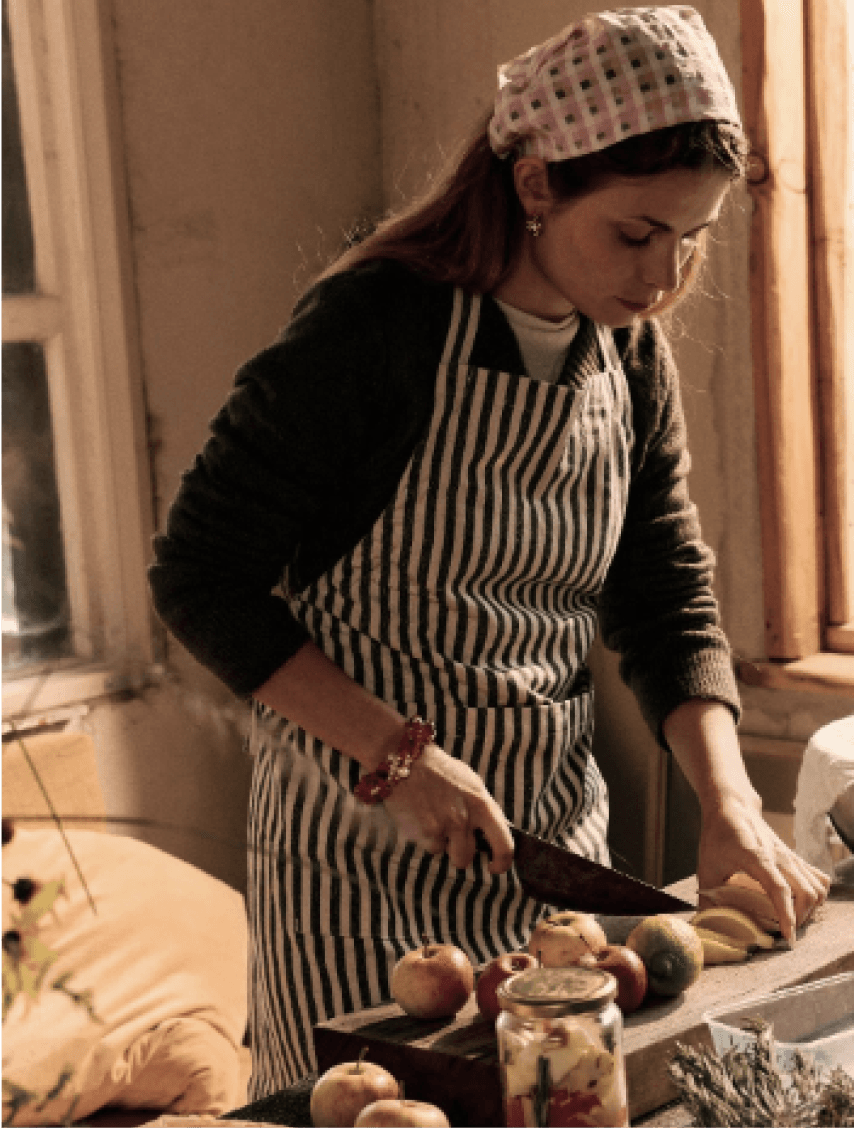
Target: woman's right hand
{"points": [[441, 805]]}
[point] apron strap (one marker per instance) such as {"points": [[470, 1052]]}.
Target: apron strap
{"points": [[465, 317], [608, 345]]}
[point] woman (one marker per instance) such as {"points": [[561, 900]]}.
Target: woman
{"points": [[464, 454]]}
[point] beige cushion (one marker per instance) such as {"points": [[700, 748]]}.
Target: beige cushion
{"points": [[166, 961], [67, 768]]}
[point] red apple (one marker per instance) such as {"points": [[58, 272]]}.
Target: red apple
{"points": [[401, 1114], [562, 939], [627, 968], [340, 1094], [432, 982], [496, 972]]}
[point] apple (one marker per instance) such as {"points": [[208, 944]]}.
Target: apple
{"points": [[340, 1094], [402, 1113], [434, 981], [560, 940], [496, 972], [627, 968]]}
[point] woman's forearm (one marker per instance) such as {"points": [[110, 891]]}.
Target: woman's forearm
{"points": [[702, 736], [317, 695], [734, 837], [441, 803]]}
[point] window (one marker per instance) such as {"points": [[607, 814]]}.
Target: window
{"points": [[76, 507], [798, 99]]}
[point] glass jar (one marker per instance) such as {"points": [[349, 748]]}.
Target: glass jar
{"points": [[560, 1048]]}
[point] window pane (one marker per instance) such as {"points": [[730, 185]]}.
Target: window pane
{"points": [[35, 599], [18, 261]]}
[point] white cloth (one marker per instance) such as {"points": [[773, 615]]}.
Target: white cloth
{"points": [[543, 344], [825, 785]]}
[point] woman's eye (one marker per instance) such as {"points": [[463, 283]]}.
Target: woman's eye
{"points": [[633, 241]]}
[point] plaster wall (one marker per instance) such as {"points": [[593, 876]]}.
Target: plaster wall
{"points": [[251, 140]]}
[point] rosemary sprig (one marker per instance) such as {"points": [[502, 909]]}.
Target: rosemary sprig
{"points": [[542, 1097], [746, 1088]]}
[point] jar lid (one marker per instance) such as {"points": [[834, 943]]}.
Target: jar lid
{"points": [[549, 992]]}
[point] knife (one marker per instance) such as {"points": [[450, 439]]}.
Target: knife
{"points": [[557, 877]]}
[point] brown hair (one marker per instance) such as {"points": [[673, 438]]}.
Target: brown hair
{"points": [[467, 227]]}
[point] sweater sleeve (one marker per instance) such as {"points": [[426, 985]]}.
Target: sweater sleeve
{"points": [[657, 609], [291, 473]]}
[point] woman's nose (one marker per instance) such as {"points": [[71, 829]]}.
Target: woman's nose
{"points": [[663, 265]]}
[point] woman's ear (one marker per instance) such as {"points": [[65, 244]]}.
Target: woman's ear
{"points": [[531, 177]]}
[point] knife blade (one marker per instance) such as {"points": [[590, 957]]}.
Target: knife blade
{"points": [[557, 877]]}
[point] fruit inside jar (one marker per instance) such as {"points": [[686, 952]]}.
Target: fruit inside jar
{"points": [[561, 1076]]}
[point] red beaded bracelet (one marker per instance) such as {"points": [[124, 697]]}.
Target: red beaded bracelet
{"points": [[377, 785]]}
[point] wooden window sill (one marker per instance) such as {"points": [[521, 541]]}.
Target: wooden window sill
{"points": [[820, 673]]}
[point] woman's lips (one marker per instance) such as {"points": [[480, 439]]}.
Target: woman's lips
{"points": [[635, 307]]}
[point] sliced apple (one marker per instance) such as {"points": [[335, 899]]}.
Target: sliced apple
{"points": [[718, 949], [746, 894], [734, 924]]}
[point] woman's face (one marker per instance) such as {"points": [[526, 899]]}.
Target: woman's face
{"points": [[614, 252]]}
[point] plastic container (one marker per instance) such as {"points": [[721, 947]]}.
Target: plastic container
{"points": [[816, 1019], [560, 1049]]}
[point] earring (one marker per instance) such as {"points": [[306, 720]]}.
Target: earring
{"points": [[534, 225]]}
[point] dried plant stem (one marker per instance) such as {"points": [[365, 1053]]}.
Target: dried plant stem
{"points": [[54, 815], [746, 1089]]}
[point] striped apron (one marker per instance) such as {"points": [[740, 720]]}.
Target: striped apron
{"points": [[472, 602]]}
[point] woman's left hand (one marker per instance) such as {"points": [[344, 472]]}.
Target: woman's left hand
{"points": [[735, 838]]}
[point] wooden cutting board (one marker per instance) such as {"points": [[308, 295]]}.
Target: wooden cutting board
{"points": [[454, 1063]]}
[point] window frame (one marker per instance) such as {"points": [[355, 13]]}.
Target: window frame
{"points": [[83, 314], [829, 38], [798, 185]]}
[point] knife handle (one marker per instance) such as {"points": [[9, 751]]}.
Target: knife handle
{"points": [[482, 843]]}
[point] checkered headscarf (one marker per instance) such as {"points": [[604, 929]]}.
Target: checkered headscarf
{"points": [[610, 76]]}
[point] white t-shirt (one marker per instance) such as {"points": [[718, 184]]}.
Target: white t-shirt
{"points": [[543, 343]]}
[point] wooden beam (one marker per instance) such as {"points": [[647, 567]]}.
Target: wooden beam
{"points": [[31, 317], [774, 111], [841, 639], [829, 182]]}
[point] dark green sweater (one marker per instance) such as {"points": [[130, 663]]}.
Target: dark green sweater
{"points": [[312, 443]]}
